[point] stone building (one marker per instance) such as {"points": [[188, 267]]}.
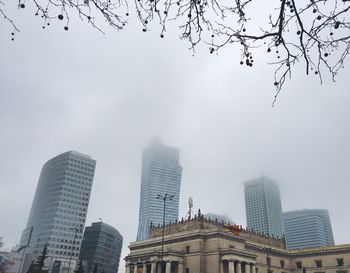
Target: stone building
{"points": [[202, 245]]}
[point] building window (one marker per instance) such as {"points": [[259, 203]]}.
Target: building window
{"points": [[299, 265], [282, 264], [187, 270], [340, 262], [318, 263], [187, 249], [268, 261]]}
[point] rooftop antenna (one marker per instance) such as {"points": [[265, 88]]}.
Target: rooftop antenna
{"points": [[190, 206]]}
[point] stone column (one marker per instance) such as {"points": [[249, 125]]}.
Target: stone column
{"points": [[238, 268], [168, 267], [144, 269], [180, 268], [231, 267], [127, 269], [153, 267], [135, 268], [222, 269], [246, 268], [253, 268]]}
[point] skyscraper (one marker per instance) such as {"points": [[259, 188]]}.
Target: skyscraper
{"points": [[101, 248], [308, 228], [263, 206], [161, 174], [58, 213]]}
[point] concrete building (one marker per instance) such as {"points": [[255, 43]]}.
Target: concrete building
{"points": [[58, 213], [101, 247], [161, 174], [201, 245], [308, 228], [263, 206]]}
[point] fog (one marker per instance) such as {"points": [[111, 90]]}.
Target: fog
{"points": [[108, 95]]}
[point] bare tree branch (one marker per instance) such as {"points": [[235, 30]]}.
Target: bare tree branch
{"points": [[314, 33]]}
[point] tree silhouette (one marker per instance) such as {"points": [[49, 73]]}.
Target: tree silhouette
{"points": [[40, 260], [314, 33]]}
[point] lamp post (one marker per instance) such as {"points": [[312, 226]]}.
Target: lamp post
{"points": [[164, 197], [268, 251], [73, 243], [268, 259]]}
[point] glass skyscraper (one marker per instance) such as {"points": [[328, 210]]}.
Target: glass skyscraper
{"points": [[161, 174], [263, 206], [101, 248], [58, 213], [308, 228]]}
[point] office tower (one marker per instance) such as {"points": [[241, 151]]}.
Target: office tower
{"points": [[58, 213], [308, 228], [161, 174], [101, 247], [263, 206]]}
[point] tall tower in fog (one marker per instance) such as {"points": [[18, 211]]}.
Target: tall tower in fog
{"points": [[308, 228], [263, 206], [161, 173], [58, 213]]}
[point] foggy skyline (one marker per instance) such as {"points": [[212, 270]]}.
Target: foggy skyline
{"points": [[108, 95]]}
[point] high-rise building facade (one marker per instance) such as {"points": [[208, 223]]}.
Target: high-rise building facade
{"points": [[263, 206], [308, 228], [101, 248], [58, 213], [161, 174]]}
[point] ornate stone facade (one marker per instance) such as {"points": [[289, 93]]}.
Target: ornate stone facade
{"points": [[201, 245]]}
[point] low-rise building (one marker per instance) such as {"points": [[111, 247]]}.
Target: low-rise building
{"points": [[202, 245], [101, 248]]}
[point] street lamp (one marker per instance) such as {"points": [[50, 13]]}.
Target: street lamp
{"points": [[164, 197], [268, 259], [73, 243]]}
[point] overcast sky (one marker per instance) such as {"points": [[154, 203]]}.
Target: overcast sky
{"points": [[108, 95]]}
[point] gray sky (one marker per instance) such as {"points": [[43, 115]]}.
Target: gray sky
{"points": [[108, 95]]}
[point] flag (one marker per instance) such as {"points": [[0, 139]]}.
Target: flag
{"points": [[235, 229]]}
